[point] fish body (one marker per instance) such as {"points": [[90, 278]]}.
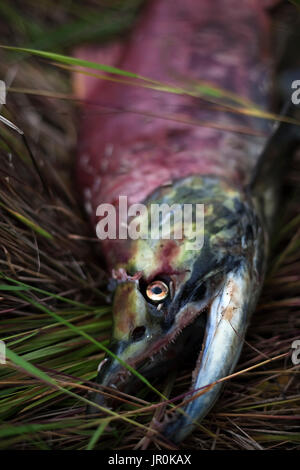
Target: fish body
{"points": [[124, 151], [131, 145]]}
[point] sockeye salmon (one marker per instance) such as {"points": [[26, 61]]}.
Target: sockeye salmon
{"points": [[169, 300]]}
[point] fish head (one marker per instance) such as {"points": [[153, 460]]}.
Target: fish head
{"points": [[190, 294]]}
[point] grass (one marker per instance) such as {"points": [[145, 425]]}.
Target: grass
{"points": [[54, 315]]}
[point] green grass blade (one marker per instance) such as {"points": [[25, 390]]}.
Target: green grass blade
{"points": [[92, 340], [97, 434]]}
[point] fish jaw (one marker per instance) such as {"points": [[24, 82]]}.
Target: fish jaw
{"points": [[212, 294], [225, 330]]}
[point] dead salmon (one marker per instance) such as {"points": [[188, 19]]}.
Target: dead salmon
{"points": [[174, 149]]}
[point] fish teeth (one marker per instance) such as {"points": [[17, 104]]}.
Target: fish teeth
{"points": [[101, 364]]}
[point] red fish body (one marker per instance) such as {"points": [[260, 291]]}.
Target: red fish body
{"points": [[155, 146], [125, 150]]}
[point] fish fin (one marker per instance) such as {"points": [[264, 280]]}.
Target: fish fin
{"points": [[83, 85]]}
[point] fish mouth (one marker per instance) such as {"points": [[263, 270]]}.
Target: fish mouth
{"points": [[207, 340], [226, 326], [179, 348]]}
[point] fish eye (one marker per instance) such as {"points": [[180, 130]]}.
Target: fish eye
{"points": [[157, 291]]}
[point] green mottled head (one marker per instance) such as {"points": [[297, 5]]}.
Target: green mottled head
{"points": [[173, 294]]}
